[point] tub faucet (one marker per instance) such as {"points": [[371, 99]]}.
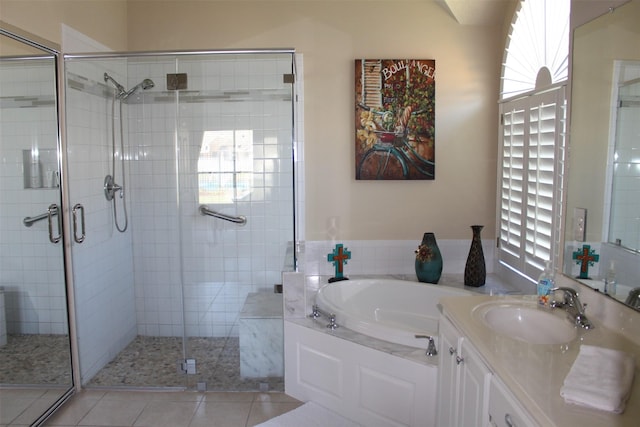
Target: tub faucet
{"points": [[431, 347], [633, 299], [571, 303]]}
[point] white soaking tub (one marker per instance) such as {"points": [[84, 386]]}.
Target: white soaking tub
{"points": [[387, 309]]}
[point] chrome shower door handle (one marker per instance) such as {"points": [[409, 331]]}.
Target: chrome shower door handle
{"points": [[76, 208], [51, 212]]}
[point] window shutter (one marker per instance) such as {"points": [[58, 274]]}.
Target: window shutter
{"points": [[531, 169]]}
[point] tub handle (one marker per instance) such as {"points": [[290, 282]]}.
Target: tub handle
{"points": [[316, 312], [431, 348]]}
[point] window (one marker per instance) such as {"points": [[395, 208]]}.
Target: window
{"points": [[532, 131], [225, 166], [532, 165], [539, 37]]}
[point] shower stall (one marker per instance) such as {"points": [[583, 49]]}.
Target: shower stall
{"points": [[181, 177]]}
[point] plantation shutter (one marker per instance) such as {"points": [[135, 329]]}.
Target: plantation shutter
{"points": [[531, 178]]}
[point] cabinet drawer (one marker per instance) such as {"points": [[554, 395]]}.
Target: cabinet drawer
{"points": [[504, 410]]}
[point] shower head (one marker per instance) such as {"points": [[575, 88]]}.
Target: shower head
{"points": [[122, 92], [145, 84]]}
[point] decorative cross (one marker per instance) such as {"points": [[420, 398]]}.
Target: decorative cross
{"points": [[339, 258], [586, 258]]}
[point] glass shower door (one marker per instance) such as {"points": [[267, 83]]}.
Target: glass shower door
{"points": [[162, 303], [126, 273], [34, 333], [235, 169]]}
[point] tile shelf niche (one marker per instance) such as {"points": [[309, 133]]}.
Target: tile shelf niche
{"points": [[40, 168]]}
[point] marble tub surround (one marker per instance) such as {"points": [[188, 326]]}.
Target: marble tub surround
{"points": [[299, 297], [299, 290], [413, 354], [535, 373]]}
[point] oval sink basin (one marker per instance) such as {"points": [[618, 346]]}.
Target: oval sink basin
{"points": [[528, 324]]}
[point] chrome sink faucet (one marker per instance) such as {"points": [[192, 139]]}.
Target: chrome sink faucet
{"points": [[572, 305]]}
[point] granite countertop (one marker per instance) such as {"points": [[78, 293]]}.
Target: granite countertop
{"points": [[535, 372]]}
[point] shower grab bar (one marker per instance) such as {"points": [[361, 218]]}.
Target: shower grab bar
{"points": [[30, 220], [242, 220]]}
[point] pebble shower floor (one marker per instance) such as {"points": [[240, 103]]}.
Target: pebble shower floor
{"points": [[145, 362]]}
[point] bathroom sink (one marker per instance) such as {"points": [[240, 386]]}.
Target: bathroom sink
{"points": [[527, 323]]}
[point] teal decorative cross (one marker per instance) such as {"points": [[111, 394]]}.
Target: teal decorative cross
{"points": [[339, 258], [586, 258]]}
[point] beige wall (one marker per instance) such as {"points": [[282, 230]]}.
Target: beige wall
{"points": [[330, 35], [102, 20]]}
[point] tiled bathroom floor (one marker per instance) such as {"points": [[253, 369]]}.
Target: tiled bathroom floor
{"points": [[160, 409], [147, 362]]}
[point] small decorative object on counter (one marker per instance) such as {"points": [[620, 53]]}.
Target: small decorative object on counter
{"points": [[339, 258], [475, 271], [546, 282], [586, 257], [428, 260], [610, 279]]}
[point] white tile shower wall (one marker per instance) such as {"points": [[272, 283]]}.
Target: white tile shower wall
{"points": [[103, 263], [31, 266], [221, 262]]}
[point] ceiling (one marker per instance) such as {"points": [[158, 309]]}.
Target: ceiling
{"points": [[478, 12]]}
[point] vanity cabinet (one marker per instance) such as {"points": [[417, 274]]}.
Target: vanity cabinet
{"points": [[464, 380], [504, 410], [470, 395]]}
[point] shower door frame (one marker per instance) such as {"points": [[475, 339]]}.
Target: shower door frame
{"points": [[54, 50], [295, 148]]}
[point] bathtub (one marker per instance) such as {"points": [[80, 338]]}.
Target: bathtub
{"points": [[387, 309]]}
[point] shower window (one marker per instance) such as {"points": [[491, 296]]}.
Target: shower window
{"points": [[225, 166]]}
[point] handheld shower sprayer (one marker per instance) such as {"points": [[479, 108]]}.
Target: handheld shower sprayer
{"points": [[145, 84], [110, 187]]}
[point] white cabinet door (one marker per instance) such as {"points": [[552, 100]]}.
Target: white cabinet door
{"points": [[504, 410], [473, 406], [463, 381], [448, 373]]}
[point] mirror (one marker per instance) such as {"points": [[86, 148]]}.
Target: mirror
{"points": [[34, 331], [603, 161]]}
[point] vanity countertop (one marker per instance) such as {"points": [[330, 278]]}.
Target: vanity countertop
{"points": [[534, 373]]}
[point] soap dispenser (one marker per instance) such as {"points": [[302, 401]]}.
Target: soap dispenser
{"points": [[546, 282], [610, 279]]}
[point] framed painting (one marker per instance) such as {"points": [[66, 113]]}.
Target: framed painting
{"points": [[395, 119]]}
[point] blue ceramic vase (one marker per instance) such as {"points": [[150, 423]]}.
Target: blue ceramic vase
{"points": [[428, 260]]}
